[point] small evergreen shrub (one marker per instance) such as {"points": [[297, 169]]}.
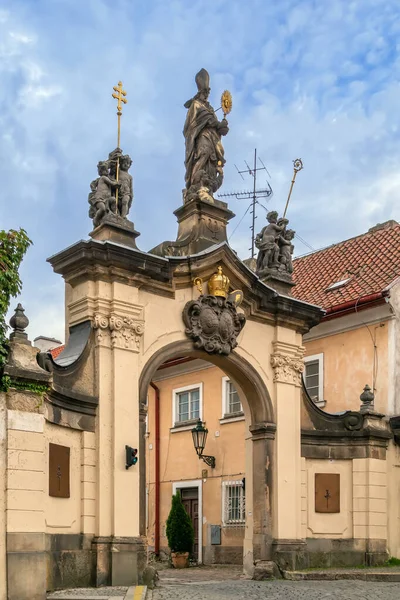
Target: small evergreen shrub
{"points": [[180, 532]]}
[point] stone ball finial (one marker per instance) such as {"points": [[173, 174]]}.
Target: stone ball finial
{"points": [[19, 322], [367, 398]]}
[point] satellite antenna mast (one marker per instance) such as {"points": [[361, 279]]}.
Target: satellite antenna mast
{"points": [[253, 195]]}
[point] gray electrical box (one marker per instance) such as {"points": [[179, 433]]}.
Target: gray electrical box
{"points": [[215, 535]]}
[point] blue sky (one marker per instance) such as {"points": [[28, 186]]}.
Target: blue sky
{"points": [[312, 79]]}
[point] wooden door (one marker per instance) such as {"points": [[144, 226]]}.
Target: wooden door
{"points": [[190, 500]]}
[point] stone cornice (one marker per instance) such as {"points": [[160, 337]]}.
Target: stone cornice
{"points": [[106, 261]]}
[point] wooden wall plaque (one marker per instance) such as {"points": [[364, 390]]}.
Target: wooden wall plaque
{"points": [[327, 492], [59, 471]]}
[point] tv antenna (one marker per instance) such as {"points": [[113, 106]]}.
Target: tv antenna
{"points": [[255, 195]]}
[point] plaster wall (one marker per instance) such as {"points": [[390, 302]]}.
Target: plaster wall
{"points": [[394, 352], [393, 494], [3, 505], [348, 360], [328, 525], [25, 472], [370, 504], [63, 515]]}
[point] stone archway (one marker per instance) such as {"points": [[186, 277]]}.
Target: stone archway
{"points": [[259, 447], [135, 303]]}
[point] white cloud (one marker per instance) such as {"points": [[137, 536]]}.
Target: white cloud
{"points": [[315, 80], [21, 37]]}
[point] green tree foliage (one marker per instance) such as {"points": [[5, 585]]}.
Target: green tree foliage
{"points": [[180, 533], [13, 246]]}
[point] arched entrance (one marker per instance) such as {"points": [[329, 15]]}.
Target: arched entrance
{"points": [[260, 429]]}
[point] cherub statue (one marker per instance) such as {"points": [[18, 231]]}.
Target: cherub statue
{"points": [[286, 250], [101, 197], [267, 243], [125, 194]]}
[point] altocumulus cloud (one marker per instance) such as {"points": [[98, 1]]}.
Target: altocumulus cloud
{"points": [[319, 80]]}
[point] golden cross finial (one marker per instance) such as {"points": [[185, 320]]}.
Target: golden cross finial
{"points": [[120, 97]]}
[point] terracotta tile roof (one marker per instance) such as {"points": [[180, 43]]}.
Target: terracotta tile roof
{"points": [[57, 351], [370, 262]]}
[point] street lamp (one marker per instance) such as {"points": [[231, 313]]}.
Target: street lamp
{"points": [[199, 434]]}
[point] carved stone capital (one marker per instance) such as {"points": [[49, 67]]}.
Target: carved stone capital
{"points": [[118, 331], [287, 362]]}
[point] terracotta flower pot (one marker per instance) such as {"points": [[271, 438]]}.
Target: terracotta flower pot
{"points": [[180, 560]]}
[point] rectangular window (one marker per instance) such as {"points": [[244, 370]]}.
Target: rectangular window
{"points": [[234, 404], [234, 503], [231, 404], [314, 377], [188, 405]]}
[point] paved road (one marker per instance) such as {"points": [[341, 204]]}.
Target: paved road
{"points": [[277, 590]]}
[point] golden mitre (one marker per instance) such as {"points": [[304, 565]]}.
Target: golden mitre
{"points": [[218, 284]]}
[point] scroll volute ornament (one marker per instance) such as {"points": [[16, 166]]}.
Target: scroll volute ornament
{"points": [[212, 321]]}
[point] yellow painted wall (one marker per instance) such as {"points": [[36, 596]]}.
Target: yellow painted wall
{"points": [[63, 515], [348, 366], [178, 459]]}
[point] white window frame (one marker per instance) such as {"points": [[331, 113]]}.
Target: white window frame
{"points": [[197, 483], [320, 358], [186, 388], [225, 484], [225, 400]]}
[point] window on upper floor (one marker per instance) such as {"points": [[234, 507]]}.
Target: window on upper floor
{"points": [[231, 404], [187, 403], [314, 378], [233, 503]]}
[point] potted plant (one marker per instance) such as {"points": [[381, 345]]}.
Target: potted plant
{"points": [[180, 533]]}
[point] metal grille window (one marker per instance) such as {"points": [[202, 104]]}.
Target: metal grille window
{"points": [[234, 503], [188, 405]]}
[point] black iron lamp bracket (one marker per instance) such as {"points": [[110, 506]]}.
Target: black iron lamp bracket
{"points": [[209, 460]]}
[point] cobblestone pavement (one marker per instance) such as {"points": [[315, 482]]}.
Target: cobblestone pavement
{"points": [[101, 593], [277, 590], [218, 583]]}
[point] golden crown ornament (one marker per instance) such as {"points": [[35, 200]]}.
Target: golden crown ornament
{"points": [[218, 284]]}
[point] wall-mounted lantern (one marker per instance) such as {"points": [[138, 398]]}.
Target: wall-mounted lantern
{"points": [[199, 434]]}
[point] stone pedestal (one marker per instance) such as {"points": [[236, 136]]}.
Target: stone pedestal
{"points": [[201, 224], [114, 228], [119, 560], [280, 281]]}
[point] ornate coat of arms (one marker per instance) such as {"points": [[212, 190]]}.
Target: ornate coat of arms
{"points": [[212, 321]]}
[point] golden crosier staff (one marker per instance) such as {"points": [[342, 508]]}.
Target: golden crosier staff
{"points": [[297, 166], [120, 96]]}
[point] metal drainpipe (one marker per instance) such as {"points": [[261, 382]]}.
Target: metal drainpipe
{"points": [[157, 471]]}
